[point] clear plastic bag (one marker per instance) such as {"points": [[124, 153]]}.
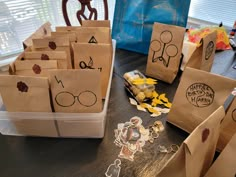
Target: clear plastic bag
{"points": [[141, 92]]}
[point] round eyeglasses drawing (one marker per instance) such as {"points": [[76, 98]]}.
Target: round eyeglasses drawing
{"points": [[171, 50], [66, 99]]}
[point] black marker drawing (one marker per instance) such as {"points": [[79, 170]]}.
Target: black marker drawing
{"points": [[234, 115], [200, 95], [59, 81], [87, 98], [171, 50], [66, 99], [93, 40], [83, 65], [209, 50]]}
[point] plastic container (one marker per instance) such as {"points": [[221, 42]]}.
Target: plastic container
{"points": [[74, 125]]}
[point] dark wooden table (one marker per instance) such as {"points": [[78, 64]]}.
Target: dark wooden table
{"points": [[58, 157]]}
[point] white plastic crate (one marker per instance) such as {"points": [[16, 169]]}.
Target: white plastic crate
{"points": [[86, 125]]}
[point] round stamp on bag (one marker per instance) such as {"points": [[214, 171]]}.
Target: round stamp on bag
{"points": [[36, 69], [44, 57], [200, 95], [22, 87], [52, 45]]}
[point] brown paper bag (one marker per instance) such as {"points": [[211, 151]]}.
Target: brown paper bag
{"points": [[25, 94], [195, 155], [203, 56], [165, 52], [70, 34], [224, 166], [67, 28], [54, 44], [96, 23], [198, 95], [228, 127], [76, 90], [96, 57], [37, 68], [94, 35], [20, 57], [59, 56], [187, 51], [44, 30]]}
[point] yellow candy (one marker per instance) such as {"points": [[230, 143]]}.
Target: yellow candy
{"points": [[135, 90], [163, 97], [156, 101], [155, 94], [168, 105], [152, 110], [148, 93], [145, 105], [140, 81], [140, 97]]}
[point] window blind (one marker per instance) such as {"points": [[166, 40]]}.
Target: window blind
{"points": [[20, 18], [214, 11]]}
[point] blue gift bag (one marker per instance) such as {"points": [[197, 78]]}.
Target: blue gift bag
{"points": [[133, 20]]}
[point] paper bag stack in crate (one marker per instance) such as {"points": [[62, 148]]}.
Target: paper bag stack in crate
{"points": [[63, 71]]}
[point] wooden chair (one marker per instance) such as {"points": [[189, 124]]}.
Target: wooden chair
{"points": [[81, 13]]}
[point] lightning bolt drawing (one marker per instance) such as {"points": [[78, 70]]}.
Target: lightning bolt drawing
{"points": [[59, 81]]}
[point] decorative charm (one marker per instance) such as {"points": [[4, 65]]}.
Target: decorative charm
{"points": [[114, 169], [154, 130], [131, 137]]}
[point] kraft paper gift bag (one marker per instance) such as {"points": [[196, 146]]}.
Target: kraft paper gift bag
{"points": [[67, 28], [187, 51], [54, 44], [203, 56], [96, 57], [76, 90], [25, 94], [224, 165], [165, 52], [37, 68], [196, 153], [20, 57], [59, 56], [44, 30], [70, 34], [198, 95], [228, 127], [94, 35], [72, 38], [96, 23], [133, 20]]}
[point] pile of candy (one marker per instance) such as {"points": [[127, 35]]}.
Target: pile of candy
{"points": [[143, 91]]}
